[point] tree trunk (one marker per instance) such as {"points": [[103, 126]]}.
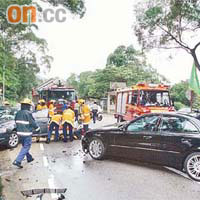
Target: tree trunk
{"points": [[193, 53]]}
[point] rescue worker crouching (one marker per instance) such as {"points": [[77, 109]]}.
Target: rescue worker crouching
{"points": [[68, 119], [85, 115], [54, 125], [25, 124]]}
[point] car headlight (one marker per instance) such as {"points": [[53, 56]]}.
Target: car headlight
{"points": [[3, 130]]}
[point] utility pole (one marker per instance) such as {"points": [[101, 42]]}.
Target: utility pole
{"points": [[4, 69]]}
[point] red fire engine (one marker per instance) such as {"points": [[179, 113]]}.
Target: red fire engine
{"points": [[54, 91], [141, 99]]}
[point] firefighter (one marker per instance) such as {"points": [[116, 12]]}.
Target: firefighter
{"points": [[43, 104], [51, 109], [68, 119], [39, 107], [85, 115], [76, 110], [25, 124], [54, 125]]}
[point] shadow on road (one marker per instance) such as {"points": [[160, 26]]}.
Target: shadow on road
{"points": [[149, 166]]}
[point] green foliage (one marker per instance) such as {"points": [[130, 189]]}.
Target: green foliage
{"points": [[123, 56], [75, 6], [96, 84], [179, 105], [178, 92], [168, 24], [22, 52], [196, 102]]}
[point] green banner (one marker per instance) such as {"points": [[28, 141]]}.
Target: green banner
{"points": [[194, 81]]}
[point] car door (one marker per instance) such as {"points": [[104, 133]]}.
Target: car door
{"points": [[141, 139], [41, 117], [178, 135]]}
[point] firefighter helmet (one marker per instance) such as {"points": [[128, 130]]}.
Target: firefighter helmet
{"points": [[41, 101], [81, 101], [26, 101], [6, 103]]}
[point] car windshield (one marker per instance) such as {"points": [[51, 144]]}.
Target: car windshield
{"points": [[67, 95], [154, 98]]}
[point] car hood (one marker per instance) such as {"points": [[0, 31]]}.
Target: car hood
{"points": [[116, 126], [8, 124]]}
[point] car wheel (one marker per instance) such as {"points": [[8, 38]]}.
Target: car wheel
{"points": [[100, 117], [13, 140], [192, 166], [96, 148]]}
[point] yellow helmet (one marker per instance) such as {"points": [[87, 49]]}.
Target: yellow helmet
{"points": [[81, 101], [6, 103], [41, 101], [26, 101]]}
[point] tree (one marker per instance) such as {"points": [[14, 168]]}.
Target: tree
{"points": [[123, 56], [169, 24], [130, 69], [22, 52], [72, 81], [76, 7], [178, 92]]}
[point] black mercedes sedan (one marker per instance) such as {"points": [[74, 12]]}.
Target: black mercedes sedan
{"points": [[8, 135], [167, 139]]}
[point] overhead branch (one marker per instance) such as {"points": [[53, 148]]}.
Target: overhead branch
{"points": [[175, 39], [196, 46]]}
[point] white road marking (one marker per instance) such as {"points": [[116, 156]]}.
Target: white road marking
{"points": [[45, 161], [181, 173], [52, 186], [41, 147], [178, 172]]}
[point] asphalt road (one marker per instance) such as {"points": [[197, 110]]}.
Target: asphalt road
{"points": [[64, 165]]}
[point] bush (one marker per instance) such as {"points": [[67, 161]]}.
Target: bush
{"points": [[179, 105]]}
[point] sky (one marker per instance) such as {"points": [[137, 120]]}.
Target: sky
{"points": [[79, 45]]}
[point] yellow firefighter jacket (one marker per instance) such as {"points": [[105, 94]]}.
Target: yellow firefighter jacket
{"points": [[43, 107], [51, 110], [39, 107], [68, 116], [85, 114], [56, 118]]}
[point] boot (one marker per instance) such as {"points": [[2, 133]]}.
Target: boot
{"points": [[48, 141], [17, 164]]}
